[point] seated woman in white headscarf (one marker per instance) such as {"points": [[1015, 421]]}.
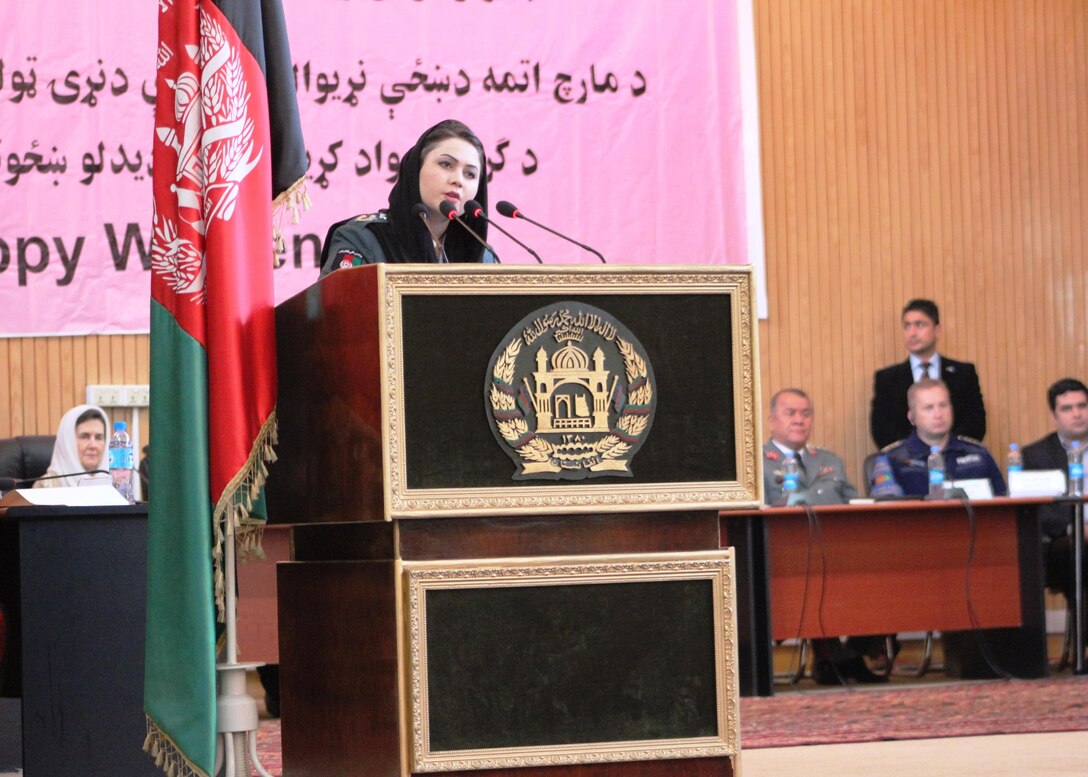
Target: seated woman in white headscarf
{"points": [[82, 446]]}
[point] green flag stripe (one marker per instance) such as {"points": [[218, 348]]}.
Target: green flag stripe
{"points": [[179, 689]]}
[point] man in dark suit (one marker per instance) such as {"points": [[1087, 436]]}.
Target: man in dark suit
{"points": [[888, 420], [1068, 400]]}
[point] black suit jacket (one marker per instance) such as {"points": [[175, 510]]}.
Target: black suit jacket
{"points": [[888, 418], [1049, 453]]}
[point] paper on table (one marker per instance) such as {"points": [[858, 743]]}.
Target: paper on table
{"points": [[1037, 482], [70, 496]]}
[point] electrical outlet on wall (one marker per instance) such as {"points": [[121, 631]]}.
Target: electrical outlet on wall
{"points": [[135, 395], [104, 396]]}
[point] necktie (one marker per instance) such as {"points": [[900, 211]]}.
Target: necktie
{"points": [[925, 370]]}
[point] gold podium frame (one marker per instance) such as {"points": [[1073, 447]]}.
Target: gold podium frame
{"points": [[396, 282], [417, 578]]}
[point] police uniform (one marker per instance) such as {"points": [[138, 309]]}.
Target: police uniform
{"points": [[822, 479], [351, 243], [964, 459]]}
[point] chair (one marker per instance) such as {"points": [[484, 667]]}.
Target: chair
{"points": [[24, 457], [890, 649], [1065, 659], [20, 458]]}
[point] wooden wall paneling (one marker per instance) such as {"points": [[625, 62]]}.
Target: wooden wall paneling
{"points": [[46, 376], [31, 381], [79, 370], [923, 149], [15, 387], [51, 369], [5, 388], [68, 377], [908, 149], [105, 363]]}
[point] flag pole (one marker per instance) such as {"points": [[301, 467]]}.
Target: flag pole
{"points": [[236, 711]]}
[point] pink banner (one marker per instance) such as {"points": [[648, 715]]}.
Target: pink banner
{"points": [[618, 123]]}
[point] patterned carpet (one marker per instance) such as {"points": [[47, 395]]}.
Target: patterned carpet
{"points": [[916, 712], [908, 712]]}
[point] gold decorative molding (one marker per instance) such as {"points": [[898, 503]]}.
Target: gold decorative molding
{"points": [[714, 566], [398, 281]]}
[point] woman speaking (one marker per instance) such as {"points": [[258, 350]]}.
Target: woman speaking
{"points": [[446, 165]]}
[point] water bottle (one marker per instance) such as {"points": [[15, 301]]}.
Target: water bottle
{"points": [[1015, 461], [935, 465], [121, 461], [1076, 470], [791, 475]]}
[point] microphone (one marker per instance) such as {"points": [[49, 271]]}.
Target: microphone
{"points": [[23, 482], [477, 211], [449, 210], [510, 210], [420, 210]]}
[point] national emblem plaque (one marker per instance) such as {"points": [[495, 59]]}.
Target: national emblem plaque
{"points": [[570, 394]]}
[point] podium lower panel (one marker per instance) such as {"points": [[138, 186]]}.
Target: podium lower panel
{"points": [[350, 632], [338, 669]]}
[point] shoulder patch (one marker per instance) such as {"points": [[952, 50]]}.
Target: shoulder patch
{"points": [[368, 218], [892, 446], [965, 438]]}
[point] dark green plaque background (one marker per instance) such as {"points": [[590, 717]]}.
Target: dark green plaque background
{"points": [[448, 341], [570, 664]]}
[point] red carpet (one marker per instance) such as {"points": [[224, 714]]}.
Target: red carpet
{"points": [[913, 712]]}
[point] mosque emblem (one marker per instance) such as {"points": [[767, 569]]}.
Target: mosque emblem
{"points": [[570, 394]]}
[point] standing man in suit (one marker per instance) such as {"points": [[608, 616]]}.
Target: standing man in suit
{"points": [[921, 329], [1068, 400], [822, 480]]}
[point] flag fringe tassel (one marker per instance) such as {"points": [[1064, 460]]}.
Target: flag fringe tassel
{"points": [[167, 754], [236, 503], [293, 199]]}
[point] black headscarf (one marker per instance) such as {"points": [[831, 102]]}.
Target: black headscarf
{"points": [[404, 238]]}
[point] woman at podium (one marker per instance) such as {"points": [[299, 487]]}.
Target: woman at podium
{"points": [[446, 165]]}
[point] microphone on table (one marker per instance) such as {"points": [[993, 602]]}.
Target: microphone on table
{"points": [[511, 211], [10, 484], [477, 211], [449, 210]]}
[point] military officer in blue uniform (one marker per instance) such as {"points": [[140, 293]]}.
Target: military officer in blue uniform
{"points": [[930, 411]]}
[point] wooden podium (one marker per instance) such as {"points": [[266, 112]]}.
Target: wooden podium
{"points": [[504, 486]]}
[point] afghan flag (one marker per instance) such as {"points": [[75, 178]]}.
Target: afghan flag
{"points": [[227, 152]]}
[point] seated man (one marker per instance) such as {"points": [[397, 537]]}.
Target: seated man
{"points": [[823, 477], [822, 480], [930, 412], [1068, 400]]}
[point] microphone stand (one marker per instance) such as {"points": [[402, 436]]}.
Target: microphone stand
{"points": [[519, 215], [236, 711], [1078, 587], [450, 212], [479, 239], [478, 212], [23, 482]]}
